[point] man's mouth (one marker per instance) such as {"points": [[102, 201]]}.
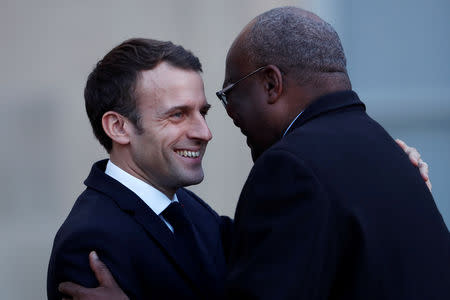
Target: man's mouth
{"points": [[188, 153]]}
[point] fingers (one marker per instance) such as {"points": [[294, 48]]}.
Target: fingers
{"points": [[401, 143], [414, 157], [423, 168], [429, 185], [413, 154], [108, 287], [101, 271], [72, 289]]}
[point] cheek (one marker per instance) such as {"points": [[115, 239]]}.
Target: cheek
{"points": [[169, 136], [232, 110]]}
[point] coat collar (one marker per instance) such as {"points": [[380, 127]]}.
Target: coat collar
{"points": [[131, 204], [327, 103]]}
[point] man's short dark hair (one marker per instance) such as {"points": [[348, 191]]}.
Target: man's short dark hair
{"points": [[298, 42], [111, 85]]}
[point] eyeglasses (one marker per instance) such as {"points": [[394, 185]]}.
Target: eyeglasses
{"points": [[222, 94]]}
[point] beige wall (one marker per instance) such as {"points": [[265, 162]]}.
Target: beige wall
{"points": [[47, 148], [48, 47]]}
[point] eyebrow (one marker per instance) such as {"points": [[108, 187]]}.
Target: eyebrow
{"points": [[206, 107]]}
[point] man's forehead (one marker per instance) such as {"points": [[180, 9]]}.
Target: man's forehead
{"points": [[161, 99], [237, 65], [147, 84], [170, 83]]}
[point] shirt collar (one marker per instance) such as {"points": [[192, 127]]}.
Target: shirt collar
{"points": [[292, 123], [155, 199]]}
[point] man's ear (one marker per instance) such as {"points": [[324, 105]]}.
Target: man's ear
{"points": [[116, 127], [273, 83]]}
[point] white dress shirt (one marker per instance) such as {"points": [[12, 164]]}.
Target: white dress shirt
{"points": [[292, 123], [155, 199]]}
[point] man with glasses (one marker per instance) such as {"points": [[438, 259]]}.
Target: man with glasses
{"points": [[332, 208]]}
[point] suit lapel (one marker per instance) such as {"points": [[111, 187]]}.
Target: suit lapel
{"points": [[201, 266], [131, 204], [161, 233]]}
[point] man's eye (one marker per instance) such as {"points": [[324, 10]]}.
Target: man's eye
{"points": [[178, 115]]}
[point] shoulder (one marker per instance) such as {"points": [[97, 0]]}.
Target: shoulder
{"points": [[95, 218], [201, 211], [188, 197], [94, 223], [282, 159], [279, 171], [280, 184]]}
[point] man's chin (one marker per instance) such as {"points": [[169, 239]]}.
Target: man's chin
{"points": [[192, 180], [256, 153]]}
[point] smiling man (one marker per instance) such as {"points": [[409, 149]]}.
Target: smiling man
{"points": [[332, 208], [146, 104]]}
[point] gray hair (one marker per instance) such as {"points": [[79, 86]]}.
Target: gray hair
{"points": [[298, 42]]}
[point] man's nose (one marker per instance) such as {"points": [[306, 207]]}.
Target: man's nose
{"points": [[200, 130]]}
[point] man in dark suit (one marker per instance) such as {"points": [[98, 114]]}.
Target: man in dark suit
{"points": [[332, 208], [146, 104]]}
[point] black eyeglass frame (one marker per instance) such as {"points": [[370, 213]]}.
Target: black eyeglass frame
{"points": [[222, 94]]}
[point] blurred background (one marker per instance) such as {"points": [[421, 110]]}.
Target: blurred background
{"points": [[398, 60]]}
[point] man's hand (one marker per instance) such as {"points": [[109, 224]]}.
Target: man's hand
{"points": [[108, 289], [414, 157]]}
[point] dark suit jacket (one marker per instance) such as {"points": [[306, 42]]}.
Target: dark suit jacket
{"points": [[136, 245], [335, 210]]}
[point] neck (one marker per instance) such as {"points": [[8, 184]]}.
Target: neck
{"points": [[124, 161], [300, 97]]}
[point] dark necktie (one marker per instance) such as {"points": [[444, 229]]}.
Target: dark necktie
{"points": [[188, 246], [176, 216], [185, 239]]}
